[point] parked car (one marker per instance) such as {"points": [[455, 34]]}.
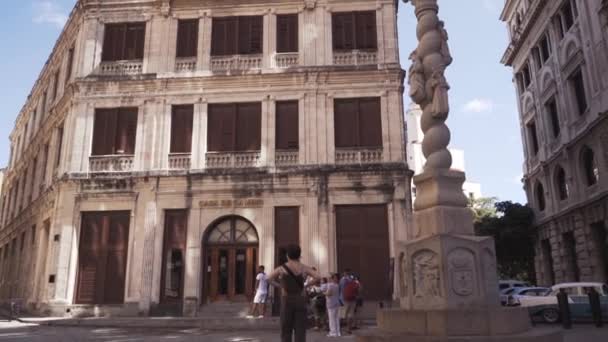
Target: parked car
{"points": [[513, 295], [506, 286], [547, 309]]}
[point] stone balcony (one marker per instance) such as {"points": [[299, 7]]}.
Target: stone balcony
{"points": [[235, 62], [119, 68], [355, 57], [287, 158], [237, 160], [180, 161], [286, 60], [111, 163], [185, 64], [359, 156]]}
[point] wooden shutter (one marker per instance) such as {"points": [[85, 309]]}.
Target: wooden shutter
{"points": [[113, 42], [287, 33], [287, 128], [88, 259], [68, 71], [126, 131], [346, 123], [187, 38], [249, 127], [366, 30], [104, 131], [181, 129], [250, 31], [286, 230], [343, 27], [224, 36], [370, 122], [116, 257], [221, 128], [363, 245], [218, 34], [134, 41]]}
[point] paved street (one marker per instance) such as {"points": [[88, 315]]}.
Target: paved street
{"points": [[35, 333]]}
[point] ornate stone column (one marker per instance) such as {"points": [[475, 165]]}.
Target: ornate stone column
{"points": [[448, 281]]}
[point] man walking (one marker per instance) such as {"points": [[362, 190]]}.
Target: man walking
{"points": [[261, 293], [350, 294]]}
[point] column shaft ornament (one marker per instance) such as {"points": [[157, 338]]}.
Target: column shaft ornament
{"points": [[428, 85]]}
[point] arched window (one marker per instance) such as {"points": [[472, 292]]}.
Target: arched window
{"points": [[589, 164], [561, 184], [540, 197], [233, 230]]}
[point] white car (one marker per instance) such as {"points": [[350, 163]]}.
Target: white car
{"points": [[507, 286], [513, 295], [546, 306], [574, 291]]}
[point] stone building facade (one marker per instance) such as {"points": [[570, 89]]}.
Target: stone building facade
{"points": [[169, 147], [559, 53]]}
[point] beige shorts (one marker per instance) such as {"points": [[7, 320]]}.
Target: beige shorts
{"points": [[348, 310]]}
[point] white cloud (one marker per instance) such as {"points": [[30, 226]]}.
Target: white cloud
{"points": [[47, 12], [478, 105]]}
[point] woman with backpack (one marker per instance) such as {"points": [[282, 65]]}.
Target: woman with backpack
{"points": [[291, 277]]}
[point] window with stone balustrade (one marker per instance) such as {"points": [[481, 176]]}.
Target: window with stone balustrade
{"points": [[354, 38], [234, 134], [123, 48], [114, 136], [358, 130], [187, 44], [237, 43], [181, 136]]}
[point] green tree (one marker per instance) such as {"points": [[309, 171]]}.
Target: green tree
{"points": [[483, 207], [513, 231]]}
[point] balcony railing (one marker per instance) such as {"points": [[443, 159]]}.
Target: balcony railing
{"points": [[185, 64], [111, 163], [236, 62], [179, 161], [355, 57], [121, 67], [287, 158], [232, 159], [359, 156], [286, 60]]}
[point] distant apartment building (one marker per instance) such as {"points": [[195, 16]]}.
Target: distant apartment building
{"points": [[169, 147], [559, 54], [415, 157]]}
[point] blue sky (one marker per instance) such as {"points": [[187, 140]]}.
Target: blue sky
{"points": [[483, 120]]}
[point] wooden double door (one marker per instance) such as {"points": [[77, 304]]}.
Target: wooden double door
{"points": [[231, 272], [102, 257]]}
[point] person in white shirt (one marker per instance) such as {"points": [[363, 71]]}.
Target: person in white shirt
{"points": [[332, 293], [261, 294]]}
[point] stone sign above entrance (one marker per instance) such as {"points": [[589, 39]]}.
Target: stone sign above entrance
{"points": [[232, 203]]}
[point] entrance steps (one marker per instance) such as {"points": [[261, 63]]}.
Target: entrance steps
{"points": [[224, 310]]}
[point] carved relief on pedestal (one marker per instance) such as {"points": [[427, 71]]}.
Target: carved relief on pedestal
{"points": [[427, 275], [488, 261], [461, 263]]}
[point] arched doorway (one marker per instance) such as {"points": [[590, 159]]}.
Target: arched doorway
{"points": [[231, 258]]}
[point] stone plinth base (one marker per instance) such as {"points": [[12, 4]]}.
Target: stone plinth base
{"points": [[456, 325], [531, 336]]}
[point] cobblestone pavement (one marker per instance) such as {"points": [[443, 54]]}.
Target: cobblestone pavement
{"points": [[19, 332]]}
